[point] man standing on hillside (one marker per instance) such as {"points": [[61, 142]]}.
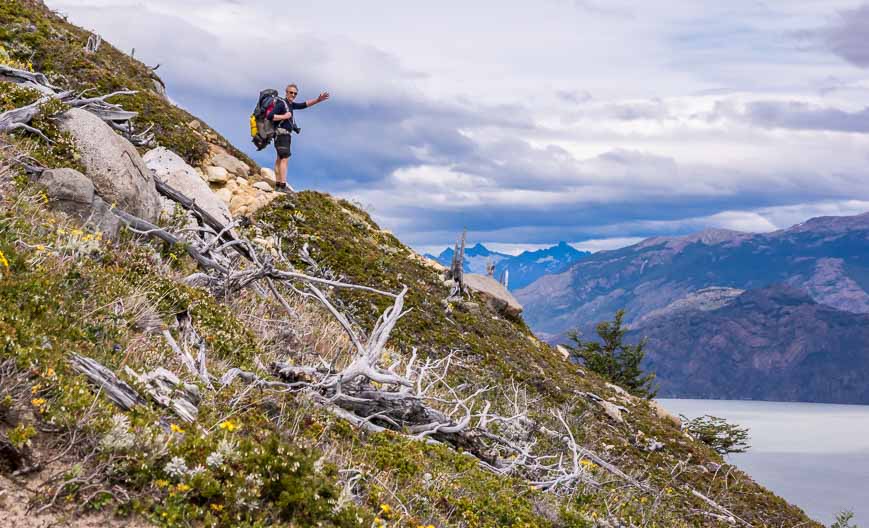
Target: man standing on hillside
{"points": [[286, 125]]}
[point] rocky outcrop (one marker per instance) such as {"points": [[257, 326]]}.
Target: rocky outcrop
{"points": [[73, 193], [221, 158], [113, 164], [497, 297], [173, 170]]}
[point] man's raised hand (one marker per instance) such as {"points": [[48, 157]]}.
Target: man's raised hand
{"points": [[323, 96]]}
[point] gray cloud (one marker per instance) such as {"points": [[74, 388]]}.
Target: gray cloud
{"points": [[467, 125], [846, 36], [803, 116]]}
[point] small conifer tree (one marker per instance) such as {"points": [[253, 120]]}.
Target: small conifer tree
{"points": [[717, 433], [613, 359]]}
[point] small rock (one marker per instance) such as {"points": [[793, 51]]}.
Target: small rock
{"points": [[241, 181], [565, 353], [217, 174], [230, 163], [470, 307], [263, 186], [664, 414], [195, 124], [267, 175], [238, 201], [612, 410], [224, 194]]}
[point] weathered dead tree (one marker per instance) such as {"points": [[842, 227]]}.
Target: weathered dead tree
{"points": [[113, 114], [456, 272], [93, 43], [164, 387]]}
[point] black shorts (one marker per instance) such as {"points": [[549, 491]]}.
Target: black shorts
{"points": [[282, 145]]}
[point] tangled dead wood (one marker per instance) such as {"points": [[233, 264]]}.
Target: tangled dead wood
{"points": [[412, 397], [113, 114]]}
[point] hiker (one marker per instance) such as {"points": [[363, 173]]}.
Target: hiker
{"points": [[284, 126]]}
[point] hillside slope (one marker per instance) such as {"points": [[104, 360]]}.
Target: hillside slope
{"points": [[261, 450]]}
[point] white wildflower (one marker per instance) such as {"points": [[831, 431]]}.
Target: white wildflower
{"points": [[254, 480], [176, 467], [196, 471], [227, 449], [214, 460], [118, 437]]}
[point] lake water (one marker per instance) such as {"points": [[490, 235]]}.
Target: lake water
{"points": [[813, 455]]}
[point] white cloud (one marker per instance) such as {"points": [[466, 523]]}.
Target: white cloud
{"points": [[606, 244]]}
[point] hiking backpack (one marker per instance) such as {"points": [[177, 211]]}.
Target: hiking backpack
{"points": [[262, 129]]}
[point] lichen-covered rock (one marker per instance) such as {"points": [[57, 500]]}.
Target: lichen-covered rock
{"points": [[497, 297], [73, 193], [263, 186], [113, 165], [170, 168]]}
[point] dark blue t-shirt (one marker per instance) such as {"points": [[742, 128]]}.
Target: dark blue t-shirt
{"points": [[281, 108]]}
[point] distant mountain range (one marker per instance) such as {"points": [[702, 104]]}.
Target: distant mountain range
{"points": [[522, 269], [781, 315]]}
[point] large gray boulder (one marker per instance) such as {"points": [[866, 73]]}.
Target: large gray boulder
{"points": [[497, 297], [112, 163], [73, 193], [173, 170]]}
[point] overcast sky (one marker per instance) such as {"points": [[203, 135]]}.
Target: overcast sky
{"points": [[596, 122]]}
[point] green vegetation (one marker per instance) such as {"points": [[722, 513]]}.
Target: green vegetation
{"points": [[615, 360], [717, 433]]}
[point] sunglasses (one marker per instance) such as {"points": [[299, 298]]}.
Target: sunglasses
{"points": [[293, 93]]}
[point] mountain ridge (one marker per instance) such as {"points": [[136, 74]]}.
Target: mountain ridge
{"points": [[666, 279], [519, 270]]}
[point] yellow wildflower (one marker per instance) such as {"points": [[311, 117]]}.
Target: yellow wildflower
{"points": [[181, 488], [34, 389], [3, 260], [217, 507], [229, 425], [175, 429], [49, 372], [385, 508], [38, 402], [160, 483]]}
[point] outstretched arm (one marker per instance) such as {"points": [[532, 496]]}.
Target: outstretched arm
{"points": [[320, 98]]}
